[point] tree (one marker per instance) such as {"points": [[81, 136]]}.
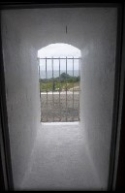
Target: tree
{"points": [[64, 76], [53, 86]]}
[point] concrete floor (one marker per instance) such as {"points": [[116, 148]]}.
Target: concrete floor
{"points": [[60, 160], [67, 107]]}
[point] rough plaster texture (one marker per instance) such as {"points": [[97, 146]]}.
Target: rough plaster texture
{"points": [[93, 31]]}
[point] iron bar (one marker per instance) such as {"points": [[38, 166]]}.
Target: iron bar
{"points": [[60, 58], [56, 114], [59, 91], [79, 63], [73, 88], [66, 88], [46, 86], [52, 88]]}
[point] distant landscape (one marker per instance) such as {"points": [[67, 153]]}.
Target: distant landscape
{"points": [[64, 82], [55, 73]]}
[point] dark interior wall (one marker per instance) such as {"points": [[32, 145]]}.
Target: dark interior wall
{"points": [[120, 185], [120, 172]]}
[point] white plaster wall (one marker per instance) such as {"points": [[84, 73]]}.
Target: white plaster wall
{"points": [[93, 31], [22, 88], [97, 93]]}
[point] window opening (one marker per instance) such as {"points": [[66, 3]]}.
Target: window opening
{"points": [[59, 76]]}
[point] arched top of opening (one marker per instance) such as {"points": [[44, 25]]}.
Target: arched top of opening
{"points": [[59, 50]]}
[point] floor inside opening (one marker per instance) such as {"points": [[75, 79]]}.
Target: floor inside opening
{"points": [[60, 160]]}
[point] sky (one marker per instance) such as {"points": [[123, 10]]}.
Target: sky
{"points": [[59, 50]]}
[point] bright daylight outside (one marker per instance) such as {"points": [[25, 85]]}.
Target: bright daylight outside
{"points": [[59, 75]]}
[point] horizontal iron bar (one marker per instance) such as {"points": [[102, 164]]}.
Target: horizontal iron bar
{"points": [[60, 58]]}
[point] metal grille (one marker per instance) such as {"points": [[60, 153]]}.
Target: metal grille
{"points": [[59, 89]]}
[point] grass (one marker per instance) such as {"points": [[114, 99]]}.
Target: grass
{"points": [[56, 86]]}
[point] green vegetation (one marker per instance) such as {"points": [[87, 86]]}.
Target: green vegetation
{"points": [[64, 82]]}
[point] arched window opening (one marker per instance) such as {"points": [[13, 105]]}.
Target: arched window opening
{"points": [[59, 75]]}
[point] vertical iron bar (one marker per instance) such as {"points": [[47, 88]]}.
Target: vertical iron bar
{"points": [[59, 92], [79, 63], [66, 89], [46, 88], [73, 88], [52, 88]]}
